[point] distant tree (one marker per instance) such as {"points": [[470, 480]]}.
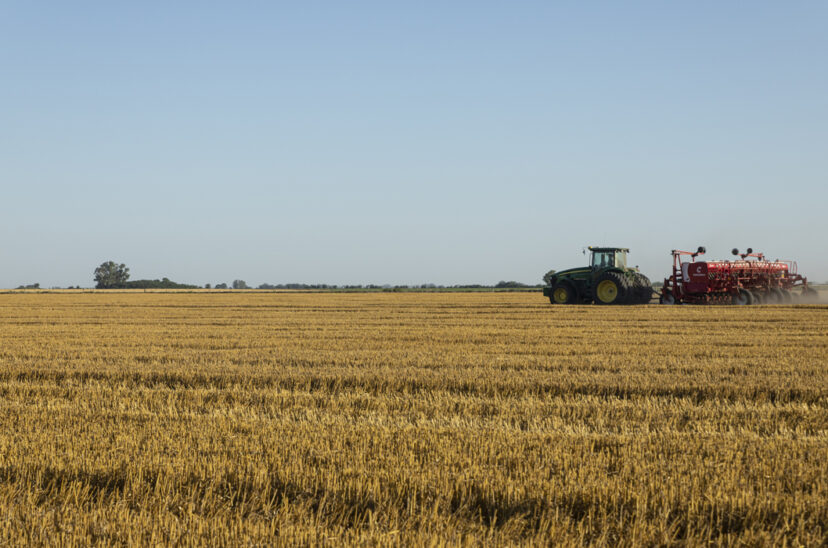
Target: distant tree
{"points": [[111, 275], [206, 286], [240, 284], [30, 286], [221, 286]]}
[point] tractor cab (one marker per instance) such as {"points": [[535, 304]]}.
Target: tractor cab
{"points": [[608, 257]]}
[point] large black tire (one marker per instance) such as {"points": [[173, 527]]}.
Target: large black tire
{"points": [[633, 288], [610, 288], [563, 293], [642, 290]]}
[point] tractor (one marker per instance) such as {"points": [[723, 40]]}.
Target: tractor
{"points": [[607, 280]]}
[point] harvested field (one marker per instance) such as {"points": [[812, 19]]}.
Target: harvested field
{"points": [[234, 418]]}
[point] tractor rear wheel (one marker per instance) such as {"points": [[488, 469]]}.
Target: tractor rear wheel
{"points": [[642, 290], [564, 293], [609, 288]]}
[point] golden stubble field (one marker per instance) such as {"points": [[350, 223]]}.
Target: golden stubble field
{"points": [[412, 418]]}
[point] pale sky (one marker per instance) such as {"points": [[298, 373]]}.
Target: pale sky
{"points": [[373, 142]]}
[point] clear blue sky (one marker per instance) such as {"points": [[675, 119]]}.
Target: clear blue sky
{"points": [[385, 142]]}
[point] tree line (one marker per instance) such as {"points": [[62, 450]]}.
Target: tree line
{"points": [[112, 275]]}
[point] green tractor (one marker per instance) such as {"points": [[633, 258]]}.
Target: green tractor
{"points": [[607, 280]]}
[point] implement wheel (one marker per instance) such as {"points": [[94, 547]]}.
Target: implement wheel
{"points": [[775, 296], [610, 288], [667, 299], [743, 297], [563, 294]]}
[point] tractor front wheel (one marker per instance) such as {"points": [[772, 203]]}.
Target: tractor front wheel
{"points": [[563, 294], [610, 288]]}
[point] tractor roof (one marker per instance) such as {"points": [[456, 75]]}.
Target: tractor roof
{"points": [[600, 249]]}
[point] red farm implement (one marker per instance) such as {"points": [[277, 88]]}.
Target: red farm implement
{"points": [[751, 279]]}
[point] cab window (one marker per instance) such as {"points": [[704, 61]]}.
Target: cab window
{"points": [[603, 259], [620, 259]]}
